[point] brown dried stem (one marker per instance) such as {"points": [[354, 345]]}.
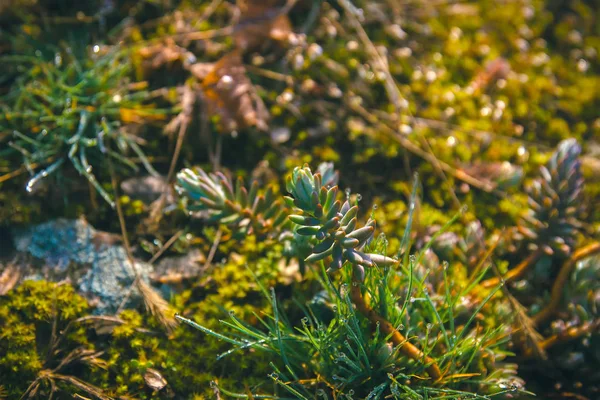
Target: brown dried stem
{"points": [[397, 338], [514, 273], [561, 280], [571, 334]]}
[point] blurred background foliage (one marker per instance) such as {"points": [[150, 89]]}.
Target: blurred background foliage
{"points": [[102, 102]]}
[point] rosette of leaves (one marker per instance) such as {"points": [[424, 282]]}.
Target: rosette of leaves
{"points": [[64, 107], [555, 201], [333, 225], [246, 211]]}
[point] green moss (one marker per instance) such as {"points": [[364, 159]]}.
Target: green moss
{"points": [[29, 316]]}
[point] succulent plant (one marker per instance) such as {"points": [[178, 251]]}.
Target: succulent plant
{"points": [[330, 222], [583, 288], [555, 201], [248, 211]]}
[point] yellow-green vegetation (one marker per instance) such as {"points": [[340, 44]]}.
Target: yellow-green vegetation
{"points": [[45, 324], [349, 198]]}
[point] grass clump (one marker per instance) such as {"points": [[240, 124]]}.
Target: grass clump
{"points": [[63, 107]]}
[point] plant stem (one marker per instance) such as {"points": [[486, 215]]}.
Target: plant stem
{"points": [[407, 348], [571, 334], [514, 273], [561, 280]]}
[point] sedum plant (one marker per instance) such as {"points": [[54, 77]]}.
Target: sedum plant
{"points": [[558, 279], [378, 328], [555, 201], [551, 224], [247, 211]]}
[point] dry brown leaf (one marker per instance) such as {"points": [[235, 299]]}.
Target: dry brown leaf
{"points": [[167, 53], [260, 22], [230, 95]]}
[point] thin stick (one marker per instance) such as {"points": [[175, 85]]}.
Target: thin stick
{"points": [[213, 249], [561, 280], [276, 76], [153, 301], [410, 146], [407, 348], [180, 135], [514, 273], [165, 246], [19, 171], [122, 225], [571, 334], [185, 118]]}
